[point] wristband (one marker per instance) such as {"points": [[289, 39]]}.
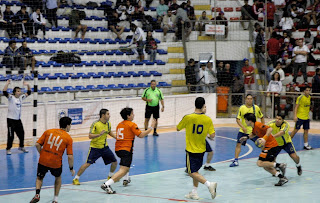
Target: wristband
{"points": [[71, 168]]}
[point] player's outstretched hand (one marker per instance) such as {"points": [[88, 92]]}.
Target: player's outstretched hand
{"points": [[8, 82], [210, 138], [73, 172], [154, 122]]}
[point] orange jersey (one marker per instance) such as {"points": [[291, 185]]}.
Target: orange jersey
{"points": [[126, 132], [54, 142], [260, 130]]}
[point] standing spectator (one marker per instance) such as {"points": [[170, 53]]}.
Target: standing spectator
{"points": [[168, 24], [138, 38], [270, 9], [275, 88], [220, 70], [51, 146], [151, 46], [203, 20], [300, 53], [162, 9], [237, 88], [174, 7], [204, 78], [273, 47], [23, 20], [222, 20], [246, 13], [190, 75], [39, 22], [287, 23], [3, 23], [256, 10], [289, 100], [316, 89], [113, 24], [264, 63], [26, 56], [256, 31], [190, 12], [152, 95], [278, 69], [227, 76], [182, 21], [14, 123], [259, 41], [74, 23], [52, 7], [212, 78], [248, 73], [280, 5], [11, 26], [11, 59], [308, 39]]}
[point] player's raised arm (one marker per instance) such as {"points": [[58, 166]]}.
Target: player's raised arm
{"points": [[268, 133], [28, 93], [113, 135], [145, 133]]}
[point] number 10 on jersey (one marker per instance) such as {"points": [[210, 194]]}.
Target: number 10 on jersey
{"points": [[197, 128]]}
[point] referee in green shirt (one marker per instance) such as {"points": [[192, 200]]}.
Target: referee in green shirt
{"points": [[152, 95]]}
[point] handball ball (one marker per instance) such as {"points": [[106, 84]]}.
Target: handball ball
{"points": [[258, 143]]}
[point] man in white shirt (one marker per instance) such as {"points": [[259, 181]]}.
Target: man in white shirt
{"points": [[300, 53], [204, 78], [39, 22], [138, 37], [212, 77], [14, 123], [279, 70]]}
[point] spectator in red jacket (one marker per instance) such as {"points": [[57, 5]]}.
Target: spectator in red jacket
{"points": [[271, 9], [273, 48], [248, 74]]}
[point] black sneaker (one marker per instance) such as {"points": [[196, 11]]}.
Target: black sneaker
{"points": [[107, 188], [126, 182], [36, 198], [282, 181], [282, 168], [299, 170], [155, 134], [307, 147], [209, 168]]}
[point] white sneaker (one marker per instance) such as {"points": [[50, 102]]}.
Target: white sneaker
{"points": [[9, 152], [213, 189], [192, 195], [23, 149]]}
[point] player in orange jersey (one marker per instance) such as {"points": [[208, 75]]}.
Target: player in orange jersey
{"points": [[51, 147], [270, 148], [126, 132]]}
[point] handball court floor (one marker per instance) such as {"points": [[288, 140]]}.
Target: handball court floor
{"points": [[157, 173]]}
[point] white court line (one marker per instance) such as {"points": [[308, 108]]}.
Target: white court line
{"points": [[46, 187]]}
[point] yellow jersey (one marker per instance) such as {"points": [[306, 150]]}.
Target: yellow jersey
{"points": [[197, 126], [284, 139], [243, 110], [304, 107], [96, 128]]}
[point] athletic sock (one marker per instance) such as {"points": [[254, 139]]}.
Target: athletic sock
{"points": [[298, 165], [126, 177], [276, 165], [38, 191], [77, 177], [111, 174], [207, 165], [194, 190], [235, 159], [55, 198], [207, 183], [306, 144], [109, 182], [278, 174]]}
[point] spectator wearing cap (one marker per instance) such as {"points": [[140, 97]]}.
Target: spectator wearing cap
{"points": [[190, 74], [316, 89], [286, 48], [246, 13], [203, 20], [278, 69], [273, 47], [300, 53], [248, 74]]}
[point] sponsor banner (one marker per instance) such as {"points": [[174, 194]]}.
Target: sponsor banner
{"points": [[215, 29]]}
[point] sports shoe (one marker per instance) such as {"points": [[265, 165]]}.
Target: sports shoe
{"points": [[75, 182], [307, 147], [209, 168], [282, 181], [108, 177], [192, 195], [213, 189], [36, 198], [107, 188], [299, 170], [54, 202], [234, 163], [126, 182], [155, 134], [23, 149], [9, 152], [282, 168]]}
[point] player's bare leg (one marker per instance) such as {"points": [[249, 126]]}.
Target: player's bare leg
{"points": [[57, 187], [305, 138], [296, 159], [113, 167], [36, 198], [155, 129], [212, 186], [146, 123], [293, 133], [209, 158], [115, 178], [236, 155], [270, 167], [84, 166]]}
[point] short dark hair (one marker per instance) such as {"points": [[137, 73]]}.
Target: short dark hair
{"points": [[250, 117], [64, 122], [12, 41], [306, 87], [199, 102], [152, 81], [103, 112], [249, 95], [15, 89], [23, 7], [282, 115], [125, 112], [317, 70]]}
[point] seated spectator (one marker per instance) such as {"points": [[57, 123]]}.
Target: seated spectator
{"points": [[286, 63], [130, 11], [162, 9], [151, 46], [74, 23], [246, 13], [122, 12], [11, 59], [23, 19], [52, 8], [300, 52], [11, 26], [39, 22], [295, 12], [289, 100], [203, 20], [138, 38], [280, 6], [182, 21], [275, 87], [315, 13], [174, 7], [190, 75], [168, 24], [27, 56], [317, 38], [113, 24], [308, 39], [190, 13], [286, 23], [139, 11], [120, 3], [221, 20], [278, 69]]}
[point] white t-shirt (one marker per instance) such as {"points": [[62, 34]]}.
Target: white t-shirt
{"points": [[139, 34], [203, 74], [275, 86], [300, 58], [14, 106]]}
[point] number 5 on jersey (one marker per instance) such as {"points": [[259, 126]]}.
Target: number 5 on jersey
{"points": [[120, 133], [54, 142]]}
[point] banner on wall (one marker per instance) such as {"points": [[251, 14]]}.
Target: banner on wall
{"points": [[215, 29]]}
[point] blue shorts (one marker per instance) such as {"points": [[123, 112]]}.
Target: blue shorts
{"points": [[305, 123], [240, 135], [194, 161], [106, 154], [289, 148], [208, 147]]}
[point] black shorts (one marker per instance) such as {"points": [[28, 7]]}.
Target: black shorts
{"points": [[152, 110], [194, 161], [304, 123], [270, 23], [208, 147], [269, 155], [42, 170], [106, 154], [125, 157], [289, 148]]}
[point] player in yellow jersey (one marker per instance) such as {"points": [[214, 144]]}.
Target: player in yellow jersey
{"points": [[301, 116], [245, 130], [99, 131], [280, 130], [198, 126]]}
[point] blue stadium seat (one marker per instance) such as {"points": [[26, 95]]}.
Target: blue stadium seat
{"points": [[112, 86], [90, 87], [45, 89], [131, 85], [57, 89], [134, 74], [155, 73], [103, 74], [52, 77], [141, 85], [69, 88], [144, 73], [163, 84], [121, 86], [80, 87], [101, 87]]}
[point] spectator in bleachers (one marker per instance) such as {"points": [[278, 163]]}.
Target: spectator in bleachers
{"points": [[248, 74], [237, 87], [122, 12], [138, 38], [296, 12], [222, 20], [246, 13], [317, 38], [11, 26], [3, 23], [270, 9], [120, 3], [190, 12], [316, 89], [300, 52], [74, 23], [182, 20], [212, 78], [139, 11], [227, 76], [190, 75], [26, 56], [52, 8], [168, 24], [287, 23], [264, 64], [204, 78], [256, 9], [11, 59], [220, 70], [259, 41], [174, 7], [273, 47], [203, 20], [286, 48], [280, 5], [278, 69], [256, 32], [130, 11], [39, 22], [275, 87], [23, 19], [151, 46], [308, 39], [289, 100], [113, 24], [162, 9], [315, 13]]}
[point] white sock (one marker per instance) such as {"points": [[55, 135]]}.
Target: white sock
{"points": [[55, 198], [111, 174], [194, 190], [207, 164], [109, 182], [277, 174], [77, 177], [298, 165], [306, 144], [207, 183], [126, 177], [274, 164]]}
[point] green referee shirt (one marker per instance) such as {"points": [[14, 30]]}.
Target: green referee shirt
{"points": [[155, 95]]}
